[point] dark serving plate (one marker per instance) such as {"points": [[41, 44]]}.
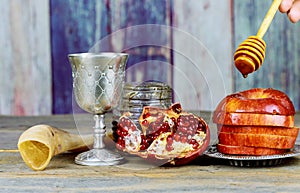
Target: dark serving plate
{"points": [[252, 161]]}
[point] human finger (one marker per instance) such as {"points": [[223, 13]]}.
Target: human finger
{"points": [[294, 12], [285, 5]]}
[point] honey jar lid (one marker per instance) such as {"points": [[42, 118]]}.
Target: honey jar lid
{"points": [[147, 91]]}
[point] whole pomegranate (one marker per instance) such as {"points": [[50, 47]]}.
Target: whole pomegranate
{"points": [[163, 136]]}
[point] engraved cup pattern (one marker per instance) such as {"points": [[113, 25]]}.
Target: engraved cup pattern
{"points": [[98, 80]]}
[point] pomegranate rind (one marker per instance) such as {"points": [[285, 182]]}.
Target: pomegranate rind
{"points": [[157, 152], [132, 140]]}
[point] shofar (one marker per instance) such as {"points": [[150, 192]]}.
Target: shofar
{"points": [[38, 144]]}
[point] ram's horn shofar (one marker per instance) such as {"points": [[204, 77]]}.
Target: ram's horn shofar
{"points": [[38, 144]]}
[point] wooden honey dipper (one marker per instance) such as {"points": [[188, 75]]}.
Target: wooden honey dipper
{"points": [[250, 54]]}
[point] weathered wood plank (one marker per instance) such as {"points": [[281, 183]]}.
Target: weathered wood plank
{"points": [[148, 45], [136, 175], [82, 26], [68, 177], [280, 69], [75, 27], [25, 79], [78, 25], [202, 55]]}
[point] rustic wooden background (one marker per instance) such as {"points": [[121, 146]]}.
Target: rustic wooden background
{"points": [[188, 44]]}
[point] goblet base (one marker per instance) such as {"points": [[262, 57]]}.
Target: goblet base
{"points": [[99, 157]]}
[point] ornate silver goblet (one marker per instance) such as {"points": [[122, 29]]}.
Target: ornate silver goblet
{"points": [[98, 81]]}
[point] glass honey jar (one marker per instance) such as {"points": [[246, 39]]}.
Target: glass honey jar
{"points": [[137, 95]]}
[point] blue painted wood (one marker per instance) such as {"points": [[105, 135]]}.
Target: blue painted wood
{"points": [[76, 26], [152, 62]]}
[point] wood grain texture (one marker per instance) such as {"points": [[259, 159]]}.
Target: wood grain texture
{"points": [[83, 26], [75, 27], [36, 79], [139, 28], [25, 79], [203, 49], [280, 69], [205, 175], [63, 175]]}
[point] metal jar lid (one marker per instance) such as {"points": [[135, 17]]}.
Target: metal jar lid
{"points": [[147, 91], [137, 95]]}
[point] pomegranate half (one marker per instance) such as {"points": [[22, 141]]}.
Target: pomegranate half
{"points": [[163, 136]]}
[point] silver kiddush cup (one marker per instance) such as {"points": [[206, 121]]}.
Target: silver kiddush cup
{"points": [[98, 80]]}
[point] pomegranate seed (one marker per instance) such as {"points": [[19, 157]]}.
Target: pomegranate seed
{"points": [[184, 118], [180, 118], [120, 139], [146, 115], [127, 122], [183, 129], [145, 123], [201, 128], [189, 132], [156, 135], [124, 133], [119, 132], [132, 127], [165, 127], [192, 120], [176, 108], [144, 140], [170, 139], [149, 140], [200, 125], [169, 147], [173, 119], [176, 137], [143, 147], [150, 137], [121, 124], [195, 145], [119, 146], [179, 124], [193, 141], [183, 139]]}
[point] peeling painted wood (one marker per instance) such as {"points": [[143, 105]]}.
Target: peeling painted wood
{"points": [[145, 37], [202, 57], [25, 79], [35, 75], [82, 26], [75, 27]]}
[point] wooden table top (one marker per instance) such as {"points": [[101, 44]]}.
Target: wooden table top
{"points": [[204, 174]]}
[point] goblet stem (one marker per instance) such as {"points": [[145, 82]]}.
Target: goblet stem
{"points": [[99, 156], [99, 131]]}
